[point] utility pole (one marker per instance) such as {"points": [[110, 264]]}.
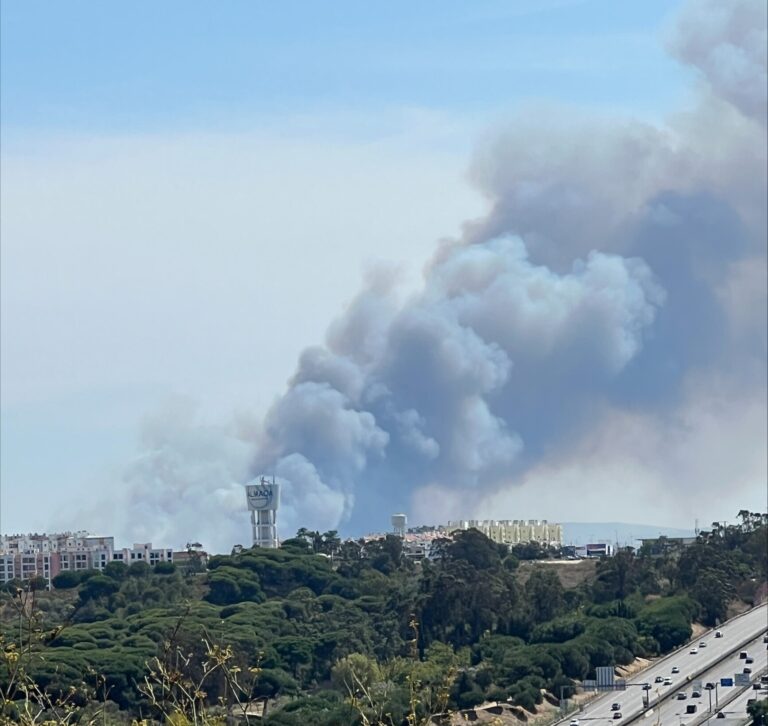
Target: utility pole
{"points": [[563, 702]]}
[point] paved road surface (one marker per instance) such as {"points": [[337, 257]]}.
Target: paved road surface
{"points": [[736, 711], [748, 626], [673, 711]]}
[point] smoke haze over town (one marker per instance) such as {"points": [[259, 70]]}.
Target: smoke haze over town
{"points": [[590, 342]]}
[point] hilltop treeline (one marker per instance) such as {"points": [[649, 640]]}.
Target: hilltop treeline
{"points": [[338, 631]]}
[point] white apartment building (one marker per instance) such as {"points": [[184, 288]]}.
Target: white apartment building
{"points": [[513, 531], [24, 556]]}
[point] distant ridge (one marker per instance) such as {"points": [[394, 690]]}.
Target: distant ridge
{"points": [[581, 533]]}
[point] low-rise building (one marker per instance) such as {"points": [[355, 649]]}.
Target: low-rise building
{"points": [[657, 546], [25, 556], [597, 549]]}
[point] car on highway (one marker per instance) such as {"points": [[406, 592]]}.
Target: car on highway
{"points": [[720, 715], [710, 686], [693, 651], [749, 660], [646, 686], [615, 707], [617, 714], [574, 722], [675, 669], [743, 655], [718, 634], [765, 639], [667, 681], [747, 669], [690, 708], [696, 694], [658, 679], [682, 696], [703, 644]]}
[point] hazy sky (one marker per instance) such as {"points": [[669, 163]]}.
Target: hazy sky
{"points": [[192, 192]]}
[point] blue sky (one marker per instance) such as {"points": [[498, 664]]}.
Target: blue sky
{"points": [[191, 191], [102, 67]]}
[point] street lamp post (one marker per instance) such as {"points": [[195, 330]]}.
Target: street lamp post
{"points": [[563, 703], [710, 697]]}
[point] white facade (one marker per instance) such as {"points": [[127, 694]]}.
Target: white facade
{"points": [[399, 524], [513, 531], [25, 556], [263, 499]]}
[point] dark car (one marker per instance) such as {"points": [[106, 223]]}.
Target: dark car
{"points": [[710, 686], [720, 715], [690, 708], [615, 707], [747, 670], [617, 714], [658, 679], [696, 694], [682, 696], [749, 660]]}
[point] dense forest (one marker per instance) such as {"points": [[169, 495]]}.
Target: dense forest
{"points": [[334, 633]]}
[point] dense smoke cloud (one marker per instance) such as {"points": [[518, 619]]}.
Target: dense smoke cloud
{"points": [[616, 285], [726, 42], [449, 386]]}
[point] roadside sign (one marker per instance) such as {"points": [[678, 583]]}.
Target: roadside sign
{"points": [[726, 682], [741, 679], [605, 678]]}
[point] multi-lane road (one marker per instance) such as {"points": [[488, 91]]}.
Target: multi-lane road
{"points": [[735, 711], [726, 668], [710, 663]]}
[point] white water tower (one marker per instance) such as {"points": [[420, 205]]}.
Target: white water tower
{"points": [[263, 500], [399, 522]]}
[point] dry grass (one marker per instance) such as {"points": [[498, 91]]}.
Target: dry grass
{"points": [[572, 573]]}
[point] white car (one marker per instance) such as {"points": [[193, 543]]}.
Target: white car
{"points": [[574, 722], [693, 651], [702, 644], [675, 669]]}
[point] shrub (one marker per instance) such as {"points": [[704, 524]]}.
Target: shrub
{"points": [[66, 580]]}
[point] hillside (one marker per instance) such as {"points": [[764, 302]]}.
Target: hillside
{"points": [[366, 634]]}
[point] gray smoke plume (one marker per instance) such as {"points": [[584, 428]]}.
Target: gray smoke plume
{"points": [[726, 42], [608, 313], [450, 386]]}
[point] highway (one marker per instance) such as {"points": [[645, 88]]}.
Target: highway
{"points": [[748, 627], [736, 711], [672, 711]]}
